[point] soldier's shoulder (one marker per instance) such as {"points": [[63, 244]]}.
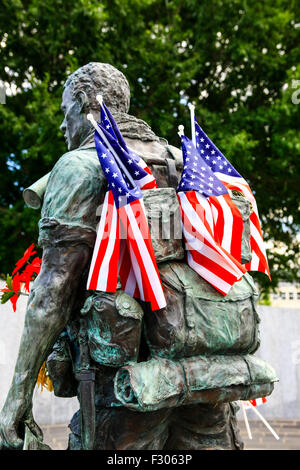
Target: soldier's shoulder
{"points": [[78, 163], [80, 156], [75, 188], [77, 171]]}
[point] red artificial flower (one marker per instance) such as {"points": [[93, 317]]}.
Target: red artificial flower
{"points": [[13, 300], [36, 265], [16, 283], [16, 287], [27, 274], [26, 278], [5, 289], [24, 258], [12, 290]]}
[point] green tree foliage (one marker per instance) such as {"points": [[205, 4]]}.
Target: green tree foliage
{"points": [[235, 60]]}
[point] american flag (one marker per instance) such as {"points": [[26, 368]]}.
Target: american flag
{"points": [[123, 245], [256, 402], [230, 177], [108, 123], [227, 219], [127, 275], [200, 193]]}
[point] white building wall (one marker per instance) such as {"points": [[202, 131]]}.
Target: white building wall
{"points": [[287, 295], [280, 346]]}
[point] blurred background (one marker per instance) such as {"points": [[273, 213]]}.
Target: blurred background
{"points": [[236, 61]]}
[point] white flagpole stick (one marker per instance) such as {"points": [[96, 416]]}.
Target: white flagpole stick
{"points": [[180, 130], [246, 419], [99, 98], [192, 113], [264, 421], [90, 118]]}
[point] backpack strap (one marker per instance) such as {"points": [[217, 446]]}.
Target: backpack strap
{"points": [[172, 173]]}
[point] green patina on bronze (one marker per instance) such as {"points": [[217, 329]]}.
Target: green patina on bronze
{"points": [[75, 189], [205, 322], [188, 381], [187, 361], [114, 329]]}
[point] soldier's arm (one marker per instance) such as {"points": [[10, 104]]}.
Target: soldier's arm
{"points": [[49, 307], [67, 234]]}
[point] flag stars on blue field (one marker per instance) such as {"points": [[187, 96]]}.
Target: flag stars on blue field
{"points": [[124, 170], [196, 177], [219, 163], [106, 123]]}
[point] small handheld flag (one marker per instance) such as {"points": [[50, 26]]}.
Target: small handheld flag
{"points": [[199, 193], [230, 177], [108, 123], [123, 214], [253, 404]]}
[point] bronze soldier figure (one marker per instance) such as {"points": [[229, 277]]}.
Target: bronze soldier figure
{"points": [[145, 380]]}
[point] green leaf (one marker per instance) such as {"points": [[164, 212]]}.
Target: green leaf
{"points": [[9, 282], [6, 296]]}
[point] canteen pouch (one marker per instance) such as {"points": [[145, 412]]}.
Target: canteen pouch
{"points": [[114, 326]]}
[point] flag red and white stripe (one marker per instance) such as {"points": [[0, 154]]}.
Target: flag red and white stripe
{"points": [[103, 273], [210, 221], [259, 260], [232, 180], [123, 215], [228, 224], [255, 402], [143, 263], [204, 253]]}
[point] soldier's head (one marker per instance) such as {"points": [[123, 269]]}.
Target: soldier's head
{"points": [[79, 98], [245, 209]]}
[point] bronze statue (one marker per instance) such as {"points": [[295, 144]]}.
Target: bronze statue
{"points": [[145, 380]]}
